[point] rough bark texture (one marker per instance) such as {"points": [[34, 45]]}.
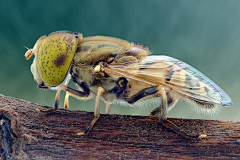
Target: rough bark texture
{"points": [[29, 134]]}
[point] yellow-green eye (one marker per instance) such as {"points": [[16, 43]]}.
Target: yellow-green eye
{"points": [[55, 55]]}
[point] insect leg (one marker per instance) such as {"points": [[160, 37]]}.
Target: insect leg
{"points": [[161, 112], [172, 126], [171, 103], [108, 108], [142, 94], [69, 91], [66, 102], [96, 112]]}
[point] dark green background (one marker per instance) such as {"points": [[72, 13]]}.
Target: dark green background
{"points": [[204, 34]]}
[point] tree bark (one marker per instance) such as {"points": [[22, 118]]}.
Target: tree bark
{"points": [[29, 134]]}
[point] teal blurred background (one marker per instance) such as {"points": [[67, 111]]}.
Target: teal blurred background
{"points": [[204, 34]]}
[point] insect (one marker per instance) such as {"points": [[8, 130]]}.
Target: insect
{"points": [[117, 71]]}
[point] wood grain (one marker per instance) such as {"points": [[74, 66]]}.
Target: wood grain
{"points": [[29, 134]]}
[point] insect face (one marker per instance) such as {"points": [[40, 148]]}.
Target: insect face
{"points": [[53, 57]]}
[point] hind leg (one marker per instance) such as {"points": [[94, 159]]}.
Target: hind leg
{"points": [[161, 112], [171, 102]]}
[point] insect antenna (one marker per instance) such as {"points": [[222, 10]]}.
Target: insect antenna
{"points": [[29, 53]]}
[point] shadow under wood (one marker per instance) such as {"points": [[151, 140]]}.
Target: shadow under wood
{"points": [[29, 134]]}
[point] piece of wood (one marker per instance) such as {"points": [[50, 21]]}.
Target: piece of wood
{"points": [[29, 134]]}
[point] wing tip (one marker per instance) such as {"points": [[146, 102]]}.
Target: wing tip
{"points": [[227, 104]]}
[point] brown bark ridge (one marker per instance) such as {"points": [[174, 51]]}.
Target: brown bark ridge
{"points": [[29, 134]]}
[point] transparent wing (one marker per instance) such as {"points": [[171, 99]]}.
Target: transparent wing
{"points": [[176, 76]]}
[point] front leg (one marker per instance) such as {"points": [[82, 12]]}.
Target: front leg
{"points": [[79, 95], [85, 94]]}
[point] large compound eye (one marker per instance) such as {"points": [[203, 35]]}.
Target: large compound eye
{"points": [[55, 55]]}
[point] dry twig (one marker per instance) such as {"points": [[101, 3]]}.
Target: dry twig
{"points": [[29, 134]]}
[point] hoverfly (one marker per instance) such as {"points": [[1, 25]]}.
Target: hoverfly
{"points": [[117, 71]]}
